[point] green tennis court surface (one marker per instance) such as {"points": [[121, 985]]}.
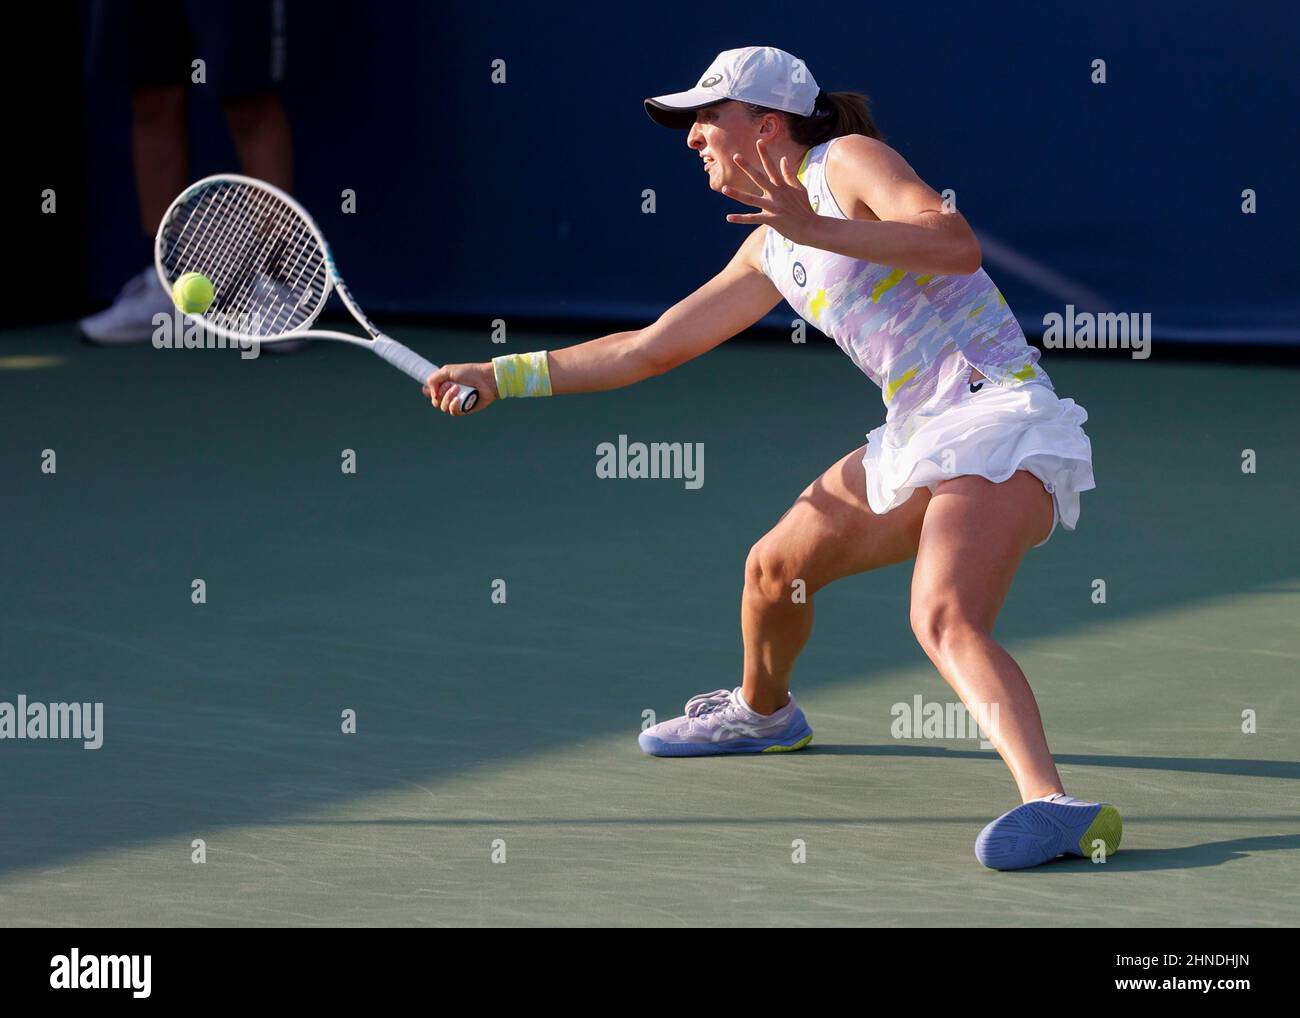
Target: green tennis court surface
{"points": [[515, 723]]}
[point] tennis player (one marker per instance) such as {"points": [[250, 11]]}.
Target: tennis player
{"points": [[978, 459]]}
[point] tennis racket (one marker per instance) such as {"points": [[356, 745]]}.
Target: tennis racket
{"points": [[270, 268]]}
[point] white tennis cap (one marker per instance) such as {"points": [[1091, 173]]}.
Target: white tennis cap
{"points": [[763, 75]]}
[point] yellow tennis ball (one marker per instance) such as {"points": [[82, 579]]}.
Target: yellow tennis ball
{"points": [[193, 293]]}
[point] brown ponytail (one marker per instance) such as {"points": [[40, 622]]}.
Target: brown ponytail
{"points": [[836, 114]]}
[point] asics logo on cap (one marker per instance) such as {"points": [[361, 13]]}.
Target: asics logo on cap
{"points": [[762, 75]]}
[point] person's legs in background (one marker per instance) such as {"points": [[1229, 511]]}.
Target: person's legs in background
{"points": [[247, 46], [261, 133], [144, 45], [159, 150], [149, 45]]}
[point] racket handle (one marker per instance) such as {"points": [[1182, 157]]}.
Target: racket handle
{"points": [[408, 361]]}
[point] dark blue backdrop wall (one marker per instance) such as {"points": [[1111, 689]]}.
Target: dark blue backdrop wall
{"points": [[525, 198]]}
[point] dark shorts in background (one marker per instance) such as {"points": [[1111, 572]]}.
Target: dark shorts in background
{"points": [[143, 43]]}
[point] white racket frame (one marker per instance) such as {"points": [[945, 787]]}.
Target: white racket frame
{"points": [[400, 356]]}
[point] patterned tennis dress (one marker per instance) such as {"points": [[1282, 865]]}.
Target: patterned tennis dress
{"points": [[919, 337]]}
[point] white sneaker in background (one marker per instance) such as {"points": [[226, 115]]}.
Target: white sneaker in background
{"points": [[130, 317]]}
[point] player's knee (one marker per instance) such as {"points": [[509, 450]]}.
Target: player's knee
{"points": [[770, 573], [937, 624]]}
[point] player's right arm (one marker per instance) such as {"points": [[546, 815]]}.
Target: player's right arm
{"points": [[725, 306]]}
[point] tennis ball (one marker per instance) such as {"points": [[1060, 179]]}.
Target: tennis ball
{"points": [[193, 293]]}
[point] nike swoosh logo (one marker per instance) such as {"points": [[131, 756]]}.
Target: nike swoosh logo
{"points": [[976, 388]]}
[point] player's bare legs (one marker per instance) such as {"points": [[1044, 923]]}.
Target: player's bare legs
{"points": [[973, 539], [830, 532]]}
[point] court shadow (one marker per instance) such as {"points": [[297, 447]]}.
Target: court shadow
{"points": [[1289, 769], [1212, 853]]}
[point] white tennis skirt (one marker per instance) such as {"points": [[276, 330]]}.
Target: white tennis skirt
{"points": [[992, 433]]}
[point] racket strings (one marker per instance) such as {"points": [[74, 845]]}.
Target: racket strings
{"points": [[268, 269], [269, 235], [259, 286], [222, 239], [238, 260], [221, 244]]}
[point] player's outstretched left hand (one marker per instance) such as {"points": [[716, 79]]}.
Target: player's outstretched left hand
{"points": [[781, 197]]}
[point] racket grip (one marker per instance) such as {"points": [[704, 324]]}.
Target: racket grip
{"points": [[411, 363]]}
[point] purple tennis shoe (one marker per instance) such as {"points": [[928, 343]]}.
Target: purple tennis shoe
{"points": [[1042, 829], [721, 722]]}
